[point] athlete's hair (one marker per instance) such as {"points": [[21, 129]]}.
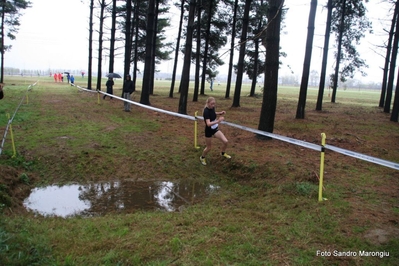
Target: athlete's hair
{"points": [[210, 99]]}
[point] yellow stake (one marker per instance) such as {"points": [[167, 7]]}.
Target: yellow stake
{"points": [[98, 97], [12, 139], [323, 143], [195, 131]]}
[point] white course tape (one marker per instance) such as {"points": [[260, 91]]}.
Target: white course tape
{"points": [[364, 157], [301, 143], [142, 105], [275, 136]]}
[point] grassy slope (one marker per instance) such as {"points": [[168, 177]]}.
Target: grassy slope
{"points": [[265, 213]]}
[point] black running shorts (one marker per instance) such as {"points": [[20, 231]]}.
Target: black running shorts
{"points": [[209, 132]]}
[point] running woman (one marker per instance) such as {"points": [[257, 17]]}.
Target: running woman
{"points": [[212, 129]]}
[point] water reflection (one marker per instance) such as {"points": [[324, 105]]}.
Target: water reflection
{"points": [[118, 196]]}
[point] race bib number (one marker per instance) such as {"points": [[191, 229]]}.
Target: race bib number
{"points": [[215, 126]]}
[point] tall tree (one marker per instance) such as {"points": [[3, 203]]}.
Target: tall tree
{"points": [[233, 36], [388, 99], [198, 53], [112, 39], [128, 37], [325, 56], [177, 49], [136, 34], [271, 41], [103, 5], [254, 65], [10, 14], [146, 88], [185, 79], [90, 63], [154, 48], [139, 36], [300, 112], [340, 33], [213, 24], [350, 23], [210, 14], [388, 56], [240, 64]]}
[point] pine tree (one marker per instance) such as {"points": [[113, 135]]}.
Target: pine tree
{"points": [[10, 14]]}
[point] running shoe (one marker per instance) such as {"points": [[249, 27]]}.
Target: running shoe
{"points": [[202, 160], [225, 155]]}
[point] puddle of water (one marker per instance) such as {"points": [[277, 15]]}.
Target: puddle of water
{"points": [[118, 196]]}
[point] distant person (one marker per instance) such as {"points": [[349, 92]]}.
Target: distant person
{"points": [[212, 129], [72, 80], [109, 84], [128, 89], [68, 77], [1, 91], [83, 74], [55, 77]]}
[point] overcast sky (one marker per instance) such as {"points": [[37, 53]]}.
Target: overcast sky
{"points": [[54, 33]]}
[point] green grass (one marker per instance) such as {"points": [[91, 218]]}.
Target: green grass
{"points": [[265, 213]]}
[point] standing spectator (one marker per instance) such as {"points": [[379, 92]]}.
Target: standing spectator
{"points": [[109, 84], [55, 77], [72, 80], [128, 89], [83, 74], [68, 77]]}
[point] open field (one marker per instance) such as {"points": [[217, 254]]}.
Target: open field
{"points": [[265, 211]]}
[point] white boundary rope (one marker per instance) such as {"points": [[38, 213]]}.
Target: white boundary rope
{"points": [[301, 143]]}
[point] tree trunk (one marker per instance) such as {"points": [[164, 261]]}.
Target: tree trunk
{"points": [[240, 65], [100, 45], [145, 93], [339, 50], [3, 2], [388, 55], [300, 112], [177, 49], [89, 70], [128, 43], [154, 48], [395, 109], [272, 44], [255, 76], [256, 61], [112, 40], [136, 34], [185, 78], [233, 35], [198, 55], [387, 106], [325, 56], [204, 62]]}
